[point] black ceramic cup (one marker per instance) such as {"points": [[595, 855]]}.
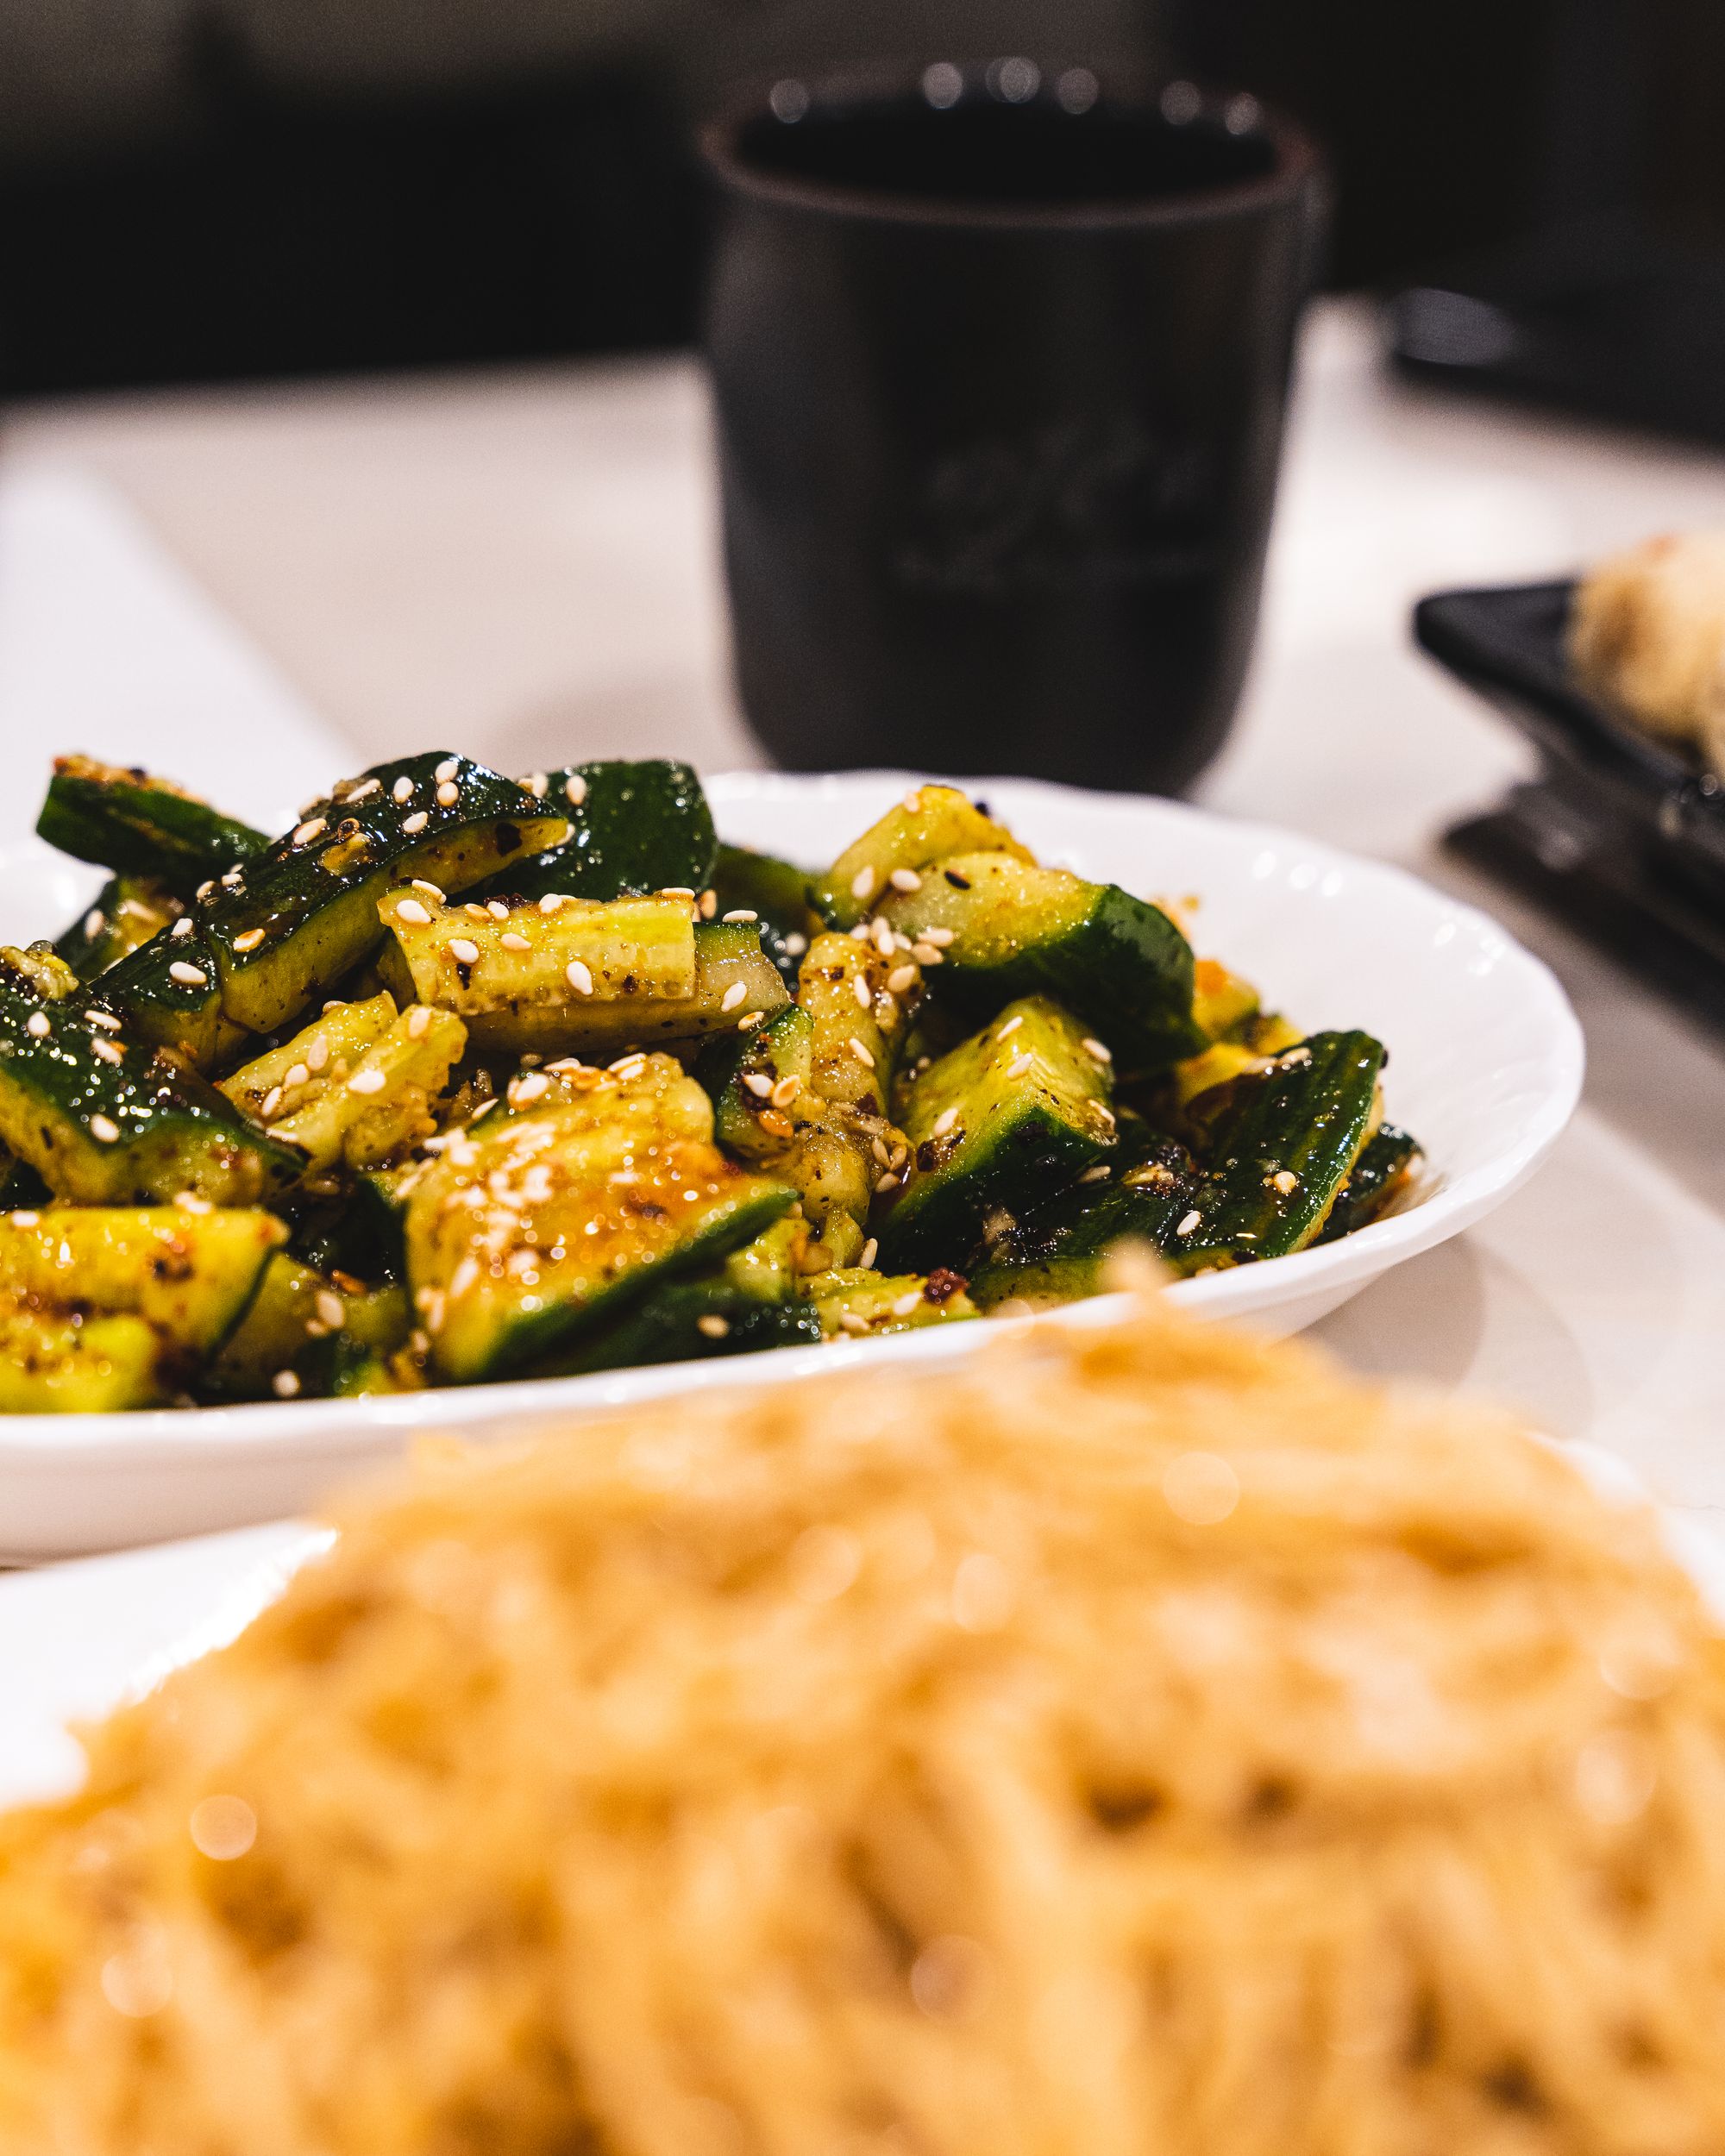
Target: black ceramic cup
{"points": [[1000, 362]]}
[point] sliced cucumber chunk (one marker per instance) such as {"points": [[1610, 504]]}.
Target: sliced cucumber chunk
{"points": [[168, 991], [994, 1127], [1004, 929], [1056, 1253], [1380, 1174], [854, 1304], [1279, 1145], [634, 829], [56, 1364], [928, 825], [298, 916], [128, 911], [763, 885], [141, 826]]}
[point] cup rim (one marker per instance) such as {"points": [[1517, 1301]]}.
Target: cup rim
{"points": [[1297, 163]]}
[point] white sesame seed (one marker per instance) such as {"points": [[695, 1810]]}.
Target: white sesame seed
{"points": [[860, 933], [365, 790], [412, 826], [629, 1066], [464, 952], [551, 902], [575, 789], [713, 1326], [297, 1076], [786, 1091], [853, 1321], [95, 921], [796, 945], [106, 1050], [271, 1102], [868, 1254], [402, 790], [449, 794], [205, 887], [514, 941], [940, 937], [189, 1201], [525, 1091], [749, 1019], [861, 1053], [38, 1024], [27, 1219], [475, 913], [865, 1001], [537, 784], [188, 976], [1100, 1173], [285, 1384], [1021, 1066], [883, 939], [497, 909], [902, 1305], [1191, 1221], [249, 940], [579, 978], [905, 879], [367, 1081], [447, 770], [677, 890], [313, 828], [1011, 1027], [733, 995], [742, 913], [1096, 1049], [945, 1121], [901, 980], [329, 1307], [862, 885], [888, 1182], [103, 1128], [759, 1084], [319, 1054], [418, 1018], [925, 954], [105, 1019], [410, 910], [181, 927]]}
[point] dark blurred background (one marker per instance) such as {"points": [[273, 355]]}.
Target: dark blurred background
{"points": [[196, 189]]}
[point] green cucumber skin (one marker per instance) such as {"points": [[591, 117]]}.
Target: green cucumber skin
{"points": [[640, 828], [142, 831], [177, 1133], [1126, 969], [664, 1328], [1059, 1250], [782, 1048], [775, 889], [142, 992], [1388, 1154], [317, 926], [89, 954], [1309, 1113], [525, 1342]]}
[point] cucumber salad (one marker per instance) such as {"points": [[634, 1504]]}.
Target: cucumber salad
{"points": [[467, 1077]]}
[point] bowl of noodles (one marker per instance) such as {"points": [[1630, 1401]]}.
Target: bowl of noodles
{"points": [[1137, 1737]]}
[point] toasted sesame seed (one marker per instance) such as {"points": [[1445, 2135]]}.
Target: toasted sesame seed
{"points": [[1011, 1027], [412, 826], [1021, 1066], [188, 976], [713, 1326], [365, 790], [296, 1075], [514, 941], [883, 938], [877, 1146], [575, 789], [319, 1054], [403, 789], [925, 954], [861, 1053], [888, 1182], [447, 770], [497, 909], [860, 933], [367, 1081], [786, 1091], [103, 1128], [285, 1384], [1286, 1182], [940, 937], [27, 1219], [411, 912], [902, 1305], [901, 980], [105, 1019], [525, 1090], [463, 951], [95, 921], [230, 879], [677, 891], [314, 827], [579, 978], [271, 1102], [249, 940], [870, 1252], [759, 1084], [749, 1019], [182, 927], [205, 887], [537, 784], [1100, 1173], [865, 1000], [629, 1066], [905, 879], [37, 1024], [945, 1121], [432, 890], [449, 794], [106, 1050], [551, 902], [475, 913], [796, 945], [733, 995], [862, 885], [742, 913], [1192, 1220], [853, 1321]]}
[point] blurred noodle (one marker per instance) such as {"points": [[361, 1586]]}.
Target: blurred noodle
{"points": [[1132, 1740]]}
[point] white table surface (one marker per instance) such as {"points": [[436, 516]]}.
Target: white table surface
{"points": [[524, 565]]}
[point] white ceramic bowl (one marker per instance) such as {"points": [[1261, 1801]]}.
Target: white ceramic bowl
{"points": [[1485, 1067]]}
